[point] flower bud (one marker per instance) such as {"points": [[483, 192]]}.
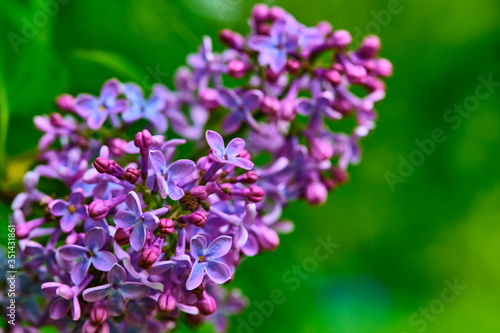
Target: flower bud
{"points": [[206, 304], [236, 68], [271, 76], [325, 27], [270, 105], [209, 98], [165, 228], [65, 292], [122, 236], [199, 192], [148, 257], [98, 210], [263, 29], [166, 302], [276, 13], [245, 154], [256, 193], [369, 48], [102, 164], [269, 239], [260, 12], [132, 175], [340, 39], [197, 219], [117, 147], [292, 66], [99, 313], [143, 139], [333, 77], [383, 67], [65, 102], [316, 193], [249, 178], [56, 120], [232, 39], [320, 149]]}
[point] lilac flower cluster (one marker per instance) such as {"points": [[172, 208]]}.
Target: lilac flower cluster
{"points": [[139, 236]]}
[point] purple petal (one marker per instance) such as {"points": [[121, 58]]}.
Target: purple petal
{"points": [[116, 304], [241, 237], [95, 294], [134, 203], [228, 98], [95, 239], [104, 261], [126, 219], [59, 308], [251, 247], [188, 308], [162, 186], [304, 106], [76, 310], [215, 141], [260, 43], [72, 252], [242, 163], [158, 162], [110, 90], [134, 290], [217, 271], [180, 169], [195, 277], [79, 271], [85, 104], [232, 122], [174, 191], [161, 267], [50, 288], [250, 213], [150, 221], [58, 207], [138, 237], [198, 246], [116, 274], [251, 99], [76, 197], [68, 222], [219, 247], [96, 119], [234, 147]]}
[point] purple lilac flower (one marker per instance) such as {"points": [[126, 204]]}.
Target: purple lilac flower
{"points": [[70, 211], [150, 109], [169, 178], [228, 154], [135, 218], [96, 110], [240, 108], [91, 253], [66, 298], [116, 291], [241, 222], [204, 260], [273, 49]]}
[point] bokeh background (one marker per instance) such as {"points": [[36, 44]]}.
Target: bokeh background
{"points": [[397, 246]]}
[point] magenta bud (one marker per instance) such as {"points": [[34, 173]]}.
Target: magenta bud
{"points": [[333, 77], [339, 176], [340, 39], [263, 29], [325, 27], [209, 98], [260, 12], [249, 178], [270, 105], [199, 192], [98, 210], [245, 154], [65, 292], [269, 240], [374, 84], [206, 304], [356, 74], [99, 313], [272, 76], [165, 228], [166, 302], [320, 149], [316, 193], [102, 164], [56, 120], [256, 193], [369, 48], [383, 67], [132, 175], [236, 68], [292, 66], [65, 102], [117, 147], [197, 219], [148, 257], [232, 39], [143, 139], [276, 13], [122, 236]]}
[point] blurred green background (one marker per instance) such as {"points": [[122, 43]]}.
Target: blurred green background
{"points": [[397, 246]]}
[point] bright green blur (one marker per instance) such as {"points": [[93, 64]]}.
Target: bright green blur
{"points": [[396, 248]]}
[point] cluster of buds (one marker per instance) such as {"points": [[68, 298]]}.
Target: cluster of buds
{"points": [[140, 235]]}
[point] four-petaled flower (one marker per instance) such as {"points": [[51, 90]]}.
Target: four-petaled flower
{"points": [[205, 260], [96, 109], [91, 253], [71, 210], [240, 108], [241, 222], [137, 219], [275, 47], [149, 109], [116, 291], [169, 177], [66, 298], [228, 154]]}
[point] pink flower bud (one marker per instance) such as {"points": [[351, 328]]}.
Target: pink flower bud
{"points": [[276, 13], [165, 228], [122, 236], [206, 304], [65, 102], [236, 68], [256, 193], [132, 175], [102, 164], [340, 39], [260, 12], [333, 77], [270, 105], [383, 67], [148, 257], [232, 39], [143, 139], [369, 48], [99, 313], [316, 193], [209, 98], [98, 210], [166, 302], [197, 219], [292, 66], [199, 192]]}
